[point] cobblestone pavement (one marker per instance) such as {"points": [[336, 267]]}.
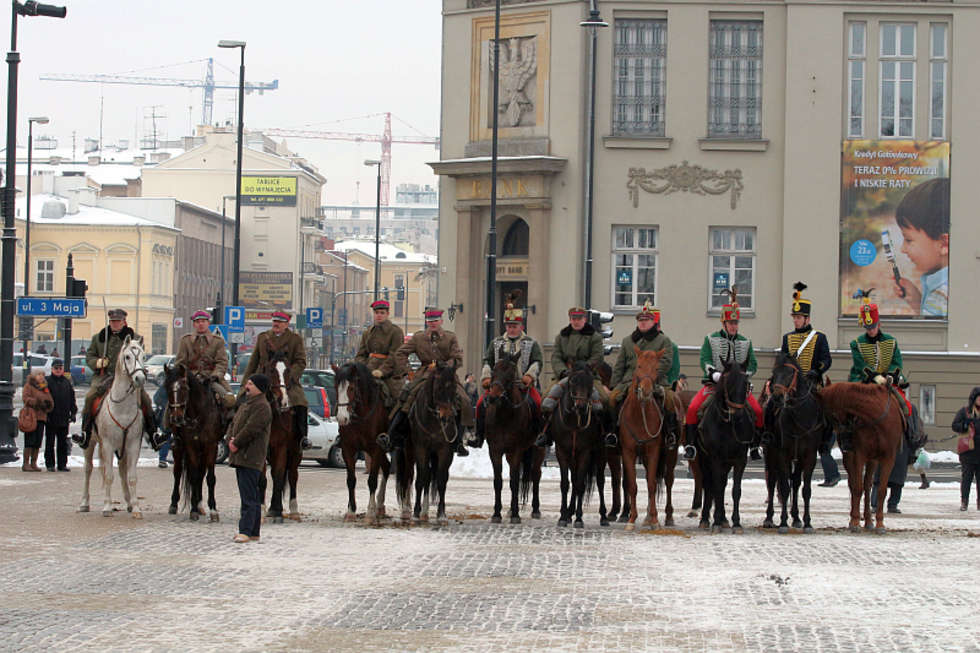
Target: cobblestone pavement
{"points": [[84, 582]]}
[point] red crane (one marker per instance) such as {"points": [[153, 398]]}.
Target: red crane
{"points": [[385, 139]]}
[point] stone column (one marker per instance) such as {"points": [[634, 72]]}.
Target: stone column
{"points": [[539, 259]]}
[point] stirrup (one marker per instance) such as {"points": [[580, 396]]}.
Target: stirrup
{"points": [[82, 439], [611, 440], [690, 452], [384, 442], [755, 453]]}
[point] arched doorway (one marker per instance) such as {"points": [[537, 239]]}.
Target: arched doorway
{"points": [[512, 261]]}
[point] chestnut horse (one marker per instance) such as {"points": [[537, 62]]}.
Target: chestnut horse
{"points": [[361, 416], [509, 428], [873, 413], [641, 434], [284, 453]]}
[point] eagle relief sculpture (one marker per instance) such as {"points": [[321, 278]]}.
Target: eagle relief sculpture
{"points": [[518, 66]]}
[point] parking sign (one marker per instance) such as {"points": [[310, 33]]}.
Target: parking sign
{"points": [[235, 316], [314, 318]]}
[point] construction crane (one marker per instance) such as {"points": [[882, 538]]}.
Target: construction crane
{"points": [[385, 139], [208, 84]]}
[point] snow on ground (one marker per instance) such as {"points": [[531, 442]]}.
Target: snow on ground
{"points": [[79, 462]]}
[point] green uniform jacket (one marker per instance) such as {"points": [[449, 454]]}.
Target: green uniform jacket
{"points": [[572, 346], [880, 354], [290, 342], [715, 351], [98, 346], [384, 339], [625, 365], [250, 432]]}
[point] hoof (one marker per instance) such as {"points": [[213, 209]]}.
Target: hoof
{"points": [[277, 520], [406, 517], [630, 526], [716, 528], [214, 517], [172, 510], [693, 513], [563, 522], [725, 524], [703, 524], [768, 524], [381, 512], [83, 508], [624, 518], [669, 522], [603, 521], [797, 523], [349, 516], [854, 528], [137, 515], [442, 521], [880, 530], [515, 520], [737, 530], [496, 519], [129, 509], [536, 514], [808, 530], [195, 516], [611, 516], [868, 527], [783, 530], [107, 513], [579, 524]]}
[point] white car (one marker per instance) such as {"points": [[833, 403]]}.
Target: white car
{"points": [[324, 435], [38, 361], [154, 367]]}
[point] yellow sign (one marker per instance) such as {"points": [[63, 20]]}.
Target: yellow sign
{"points": [[509, 269], [261, 191], [508, 187], [270, 290]]}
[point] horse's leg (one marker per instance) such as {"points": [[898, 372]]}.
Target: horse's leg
{"points": [[737, 473], [563, 467], [443, 461], [808, 466], [629, 473], [796, 478], [372, 483], [128, 474], [385, 465], [704, 469], [578, 487], [124, 482], [770, 489], [350, 459], [421, 482], [615, 462], [293, 456], [669, 470], [83, 506], [869, 475], [278, 483], [212, 503], [498, 482], [698, 497], [600, 481], [178, 469], [653, 458], [782, 481], [885, 466], [264, 485], [514, 461], [855, 479], [106, 456], [719, 481], [539, 454]]}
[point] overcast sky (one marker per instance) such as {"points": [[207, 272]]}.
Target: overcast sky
{"points": [[335, 60]]}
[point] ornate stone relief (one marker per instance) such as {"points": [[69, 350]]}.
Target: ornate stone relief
{"points": [[479, 4], [686, 178], [518, 72]]}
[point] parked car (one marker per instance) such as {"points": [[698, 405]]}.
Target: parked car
{"points": [[318, 399], [37, 360], [324, 435], [241, 362], [81, 374], [154, 367], [322, 379]]}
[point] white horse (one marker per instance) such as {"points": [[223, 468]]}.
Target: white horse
{"points": [[118, 429]]}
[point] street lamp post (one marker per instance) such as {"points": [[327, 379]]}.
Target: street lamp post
{"points": [[492, 234], [8, 449], [377, 230], [27, 219], [593, 23]]}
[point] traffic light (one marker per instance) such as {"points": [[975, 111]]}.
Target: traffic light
{"points": [[78, 288], [400, 294], [386, 293], [215, 314], [598, 319]]}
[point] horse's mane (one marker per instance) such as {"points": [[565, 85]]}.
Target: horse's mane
{"points": [[862, 400], [782, 358], [358, 374]]}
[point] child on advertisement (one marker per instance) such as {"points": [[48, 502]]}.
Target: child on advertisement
{"points": [[923, 218]]}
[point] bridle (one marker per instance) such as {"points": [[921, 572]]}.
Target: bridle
{"points": [[352, 391], [790, 389]]}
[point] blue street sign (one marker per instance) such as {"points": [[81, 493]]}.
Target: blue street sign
{"points": [[235, 316], [314, 318], [51, 306]]}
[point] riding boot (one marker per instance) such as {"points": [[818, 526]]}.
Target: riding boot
{"points": [[149, 426], [393, 439], [82, 439], [301, 425], [755, 446], [544, 438], [25, 465], [670, 427], [609, 427], [461, 436]]}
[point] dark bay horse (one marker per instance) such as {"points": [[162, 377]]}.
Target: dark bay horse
{"points": [[797, 422], [724, 434], [614, 460], [195, 421], [285, 453], [509, 429], [874, 414], [430, 445], [693, 466], [361, 416], [579, 447], [641, 433]]}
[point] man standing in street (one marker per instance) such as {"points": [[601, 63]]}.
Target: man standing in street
{"points": [[63, 414], [248, 442]]}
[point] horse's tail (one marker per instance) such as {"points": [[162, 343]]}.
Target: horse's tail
{"points": [[185, 479], [526, 468], [661, 488], [593, 467], [404, 473]]}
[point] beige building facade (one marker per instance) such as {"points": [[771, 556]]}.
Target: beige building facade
{"points": [[719, 129]]}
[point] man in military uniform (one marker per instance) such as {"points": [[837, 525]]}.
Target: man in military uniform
{"points": [[203, 353], [101, 356], [430, 345], [726, 345], [281, 339], [579, 341], [378, 349], [647, 337], [514, 341]]}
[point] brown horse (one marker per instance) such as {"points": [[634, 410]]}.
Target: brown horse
{"points": [[693, 466], [284, 453], [509, 420], [614, 460], [873, 413], [641, 434], [361, 416]]}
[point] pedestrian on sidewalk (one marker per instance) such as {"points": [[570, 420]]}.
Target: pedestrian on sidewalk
{"points": [[37, 399], [965, 423], [62, 414], [159, 407], [248, 441]]}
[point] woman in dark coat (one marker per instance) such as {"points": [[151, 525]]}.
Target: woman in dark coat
{"points": [[965, 423]]}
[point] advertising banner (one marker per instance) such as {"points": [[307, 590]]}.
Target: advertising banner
{"points": [[267, 290], [894, 227], [261, 190]]}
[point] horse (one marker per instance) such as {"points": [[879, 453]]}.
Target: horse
{"points": [[874, 413], [361, 416], [509, 430], [614, 460], [284, 453], [798, 425], [685, 396], [196, 423], [641, 434], [723, 437], [579, 447], [117, 429], [430, 445]]}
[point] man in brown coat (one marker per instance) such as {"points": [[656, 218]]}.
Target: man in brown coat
{"points": [[248, 442], [204, 354], [431, 346], [379, 349], [279, 339]]}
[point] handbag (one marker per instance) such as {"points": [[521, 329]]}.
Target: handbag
{"points": [[964, 443], [27, 420]]}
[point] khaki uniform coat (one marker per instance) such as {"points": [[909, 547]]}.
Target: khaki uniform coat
{"points": [[292, 344], [432, 348], [572, 346], [383, 340], [250, 432], [204, 354], [625, 366]]}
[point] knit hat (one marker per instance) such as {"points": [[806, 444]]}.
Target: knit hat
{"points": [[800, 306], [260, 381], [729, 311]]}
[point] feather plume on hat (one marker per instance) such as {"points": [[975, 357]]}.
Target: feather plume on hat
{"points": [[799, 287]]}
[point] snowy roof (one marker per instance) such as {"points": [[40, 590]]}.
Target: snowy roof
{"points": [[87, 215], [386, 252]]}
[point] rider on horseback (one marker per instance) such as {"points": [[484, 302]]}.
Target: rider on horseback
{"points": [[726, 345], [529, 365], [647, 337], [280, 339], [101, 358], [579, 341], [204, 354], [431, 345], [378, 349]]}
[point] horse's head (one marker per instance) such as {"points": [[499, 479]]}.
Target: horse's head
{"points": [[131, 361], [603, 370], [504, 374], [787, 377], [178, 393], [646, 373], [734, 384], [351, 380], [278, 372], [580, 386], [444, 390]]}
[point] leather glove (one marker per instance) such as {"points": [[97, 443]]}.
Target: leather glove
{"points": [[101, 363], [377, 374], [527, 380], [485, 383], [880, 380], [432, 365], [614, 396], [715, 376]]}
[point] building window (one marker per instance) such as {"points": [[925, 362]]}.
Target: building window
{"points": [[856, 55], [640, 61], [159, 336], [634, 266], [732, 263], [400, 295], [938, 60], [897, 64], [927, 404], [735, 79], [44, 279]]}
